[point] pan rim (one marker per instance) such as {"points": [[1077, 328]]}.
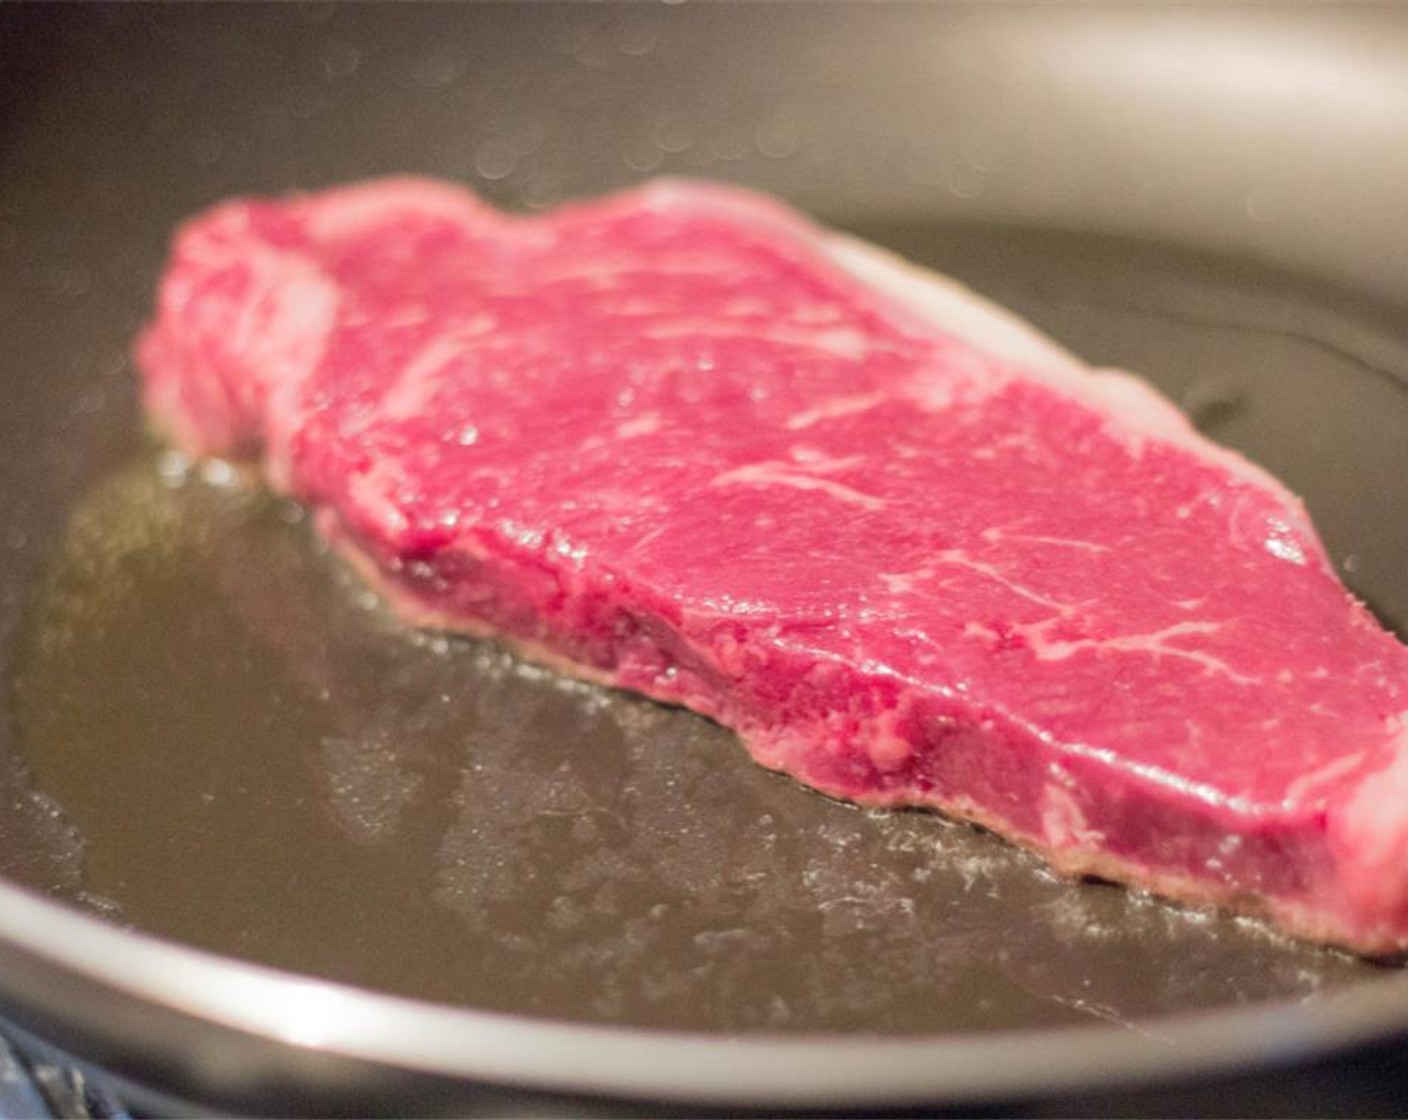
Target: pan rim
{"points": [[324, 1017]]}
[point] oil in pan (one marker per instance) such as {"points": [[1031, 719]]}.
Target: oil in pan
{"points": [[261, 762]]}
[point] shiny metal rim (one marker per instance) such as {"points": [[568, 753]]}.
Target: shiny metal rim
{"points": [[325, 1017]]}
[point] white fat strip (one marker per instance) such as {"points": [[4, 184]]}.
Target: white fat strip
{"points": [[955, 310], [819, 462], [372, 491], [1306, 786], [801, 475], [958, 558], [1155, 643], [934, 387], [646, 425], [902, 583], [345, 212], [995, 534], [838, 407], [419, 380], [1138, 411], [1369, 823]]}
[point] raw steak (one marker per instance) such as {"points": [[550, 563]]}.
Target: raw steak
{"points": [[684, 442]]}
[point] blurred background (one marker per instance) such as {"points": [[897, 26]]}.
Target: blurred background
{"points": [[1213, 196]]}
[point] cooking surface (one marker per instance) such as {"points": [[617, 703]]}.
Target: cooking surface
{"points": [[255, 759], [1270, 143]]}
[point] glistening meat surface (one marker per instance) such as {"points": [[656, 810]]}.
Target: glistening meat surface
{"points": [[683, 441]]}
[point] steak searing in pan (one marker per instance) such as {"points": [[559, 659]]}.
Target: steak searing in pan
{"points": [[914, 554]]}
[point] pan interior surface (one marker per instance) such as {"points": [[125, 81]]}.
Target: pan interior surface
{"points": [[242, 752], [208, 734]]}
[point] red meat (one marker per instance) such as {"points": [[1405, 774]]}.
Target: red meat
{"points": [[684, 442]]}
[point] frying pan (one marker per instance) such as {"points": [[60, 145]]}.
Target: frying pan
{"points": [[264, 850]]}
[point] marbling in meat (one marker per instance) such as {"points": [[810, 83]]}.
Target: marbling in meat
{"points": [[685, 442]]}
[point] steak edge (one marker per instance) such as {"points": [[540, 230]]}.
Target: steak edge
{"points": [[683, 442]]}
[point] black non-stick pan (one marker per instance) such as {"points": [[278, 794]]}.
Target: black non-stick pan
{"points": [[265, 849]]}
